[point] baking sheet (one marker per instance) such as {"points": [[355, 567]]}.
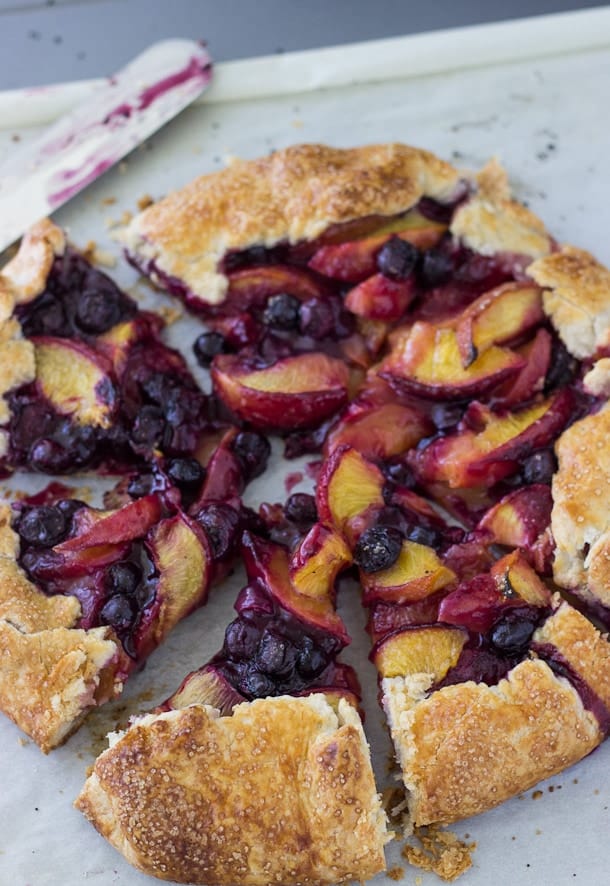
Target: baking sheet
{"points": [[544, 115]]}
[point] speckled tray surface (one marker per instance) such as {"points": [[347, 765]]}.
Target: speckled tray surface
{"points": [[541, 108]]}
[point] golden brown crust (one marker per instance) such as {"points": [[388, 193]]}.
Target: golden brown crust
{"points": [[186, 796], [577, 298], [294, 194], [466, 748], [52, 673], [491, 222], [580, 519]]}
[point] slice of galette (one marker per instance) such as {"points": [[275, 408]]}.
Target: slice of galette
{"points": [[272, 709], [86, 381], [87, 594]]}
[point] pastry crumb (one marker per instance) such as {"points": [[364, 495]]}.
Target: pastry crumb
{"points": [[536, 795], [144, 202], [97, 256], [108, 201], [396, 873], [169, 314], [441, 852], [23, 742]]}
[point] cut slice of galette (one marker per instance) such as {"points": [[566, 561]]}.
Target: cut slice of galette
{"points": [[86, 381], [273, 703]]}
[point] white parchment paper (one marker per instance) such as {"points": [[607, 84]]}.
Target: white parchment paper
{"points": [[546, 118]]}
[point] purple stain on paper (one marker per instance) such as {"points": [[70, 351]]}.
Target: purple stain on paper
{"points": [[61, 196]]}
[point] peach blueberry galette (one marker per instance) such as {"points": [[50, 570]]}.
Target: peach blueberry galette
{"points": [[448, 363]]}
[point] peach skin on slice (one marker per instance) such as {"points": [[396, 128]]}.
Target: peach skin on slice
{"points": [[379, 431], [470, 459], [497, 317], [268, 563], [251, 287], [75, 379], [428, 649], [349, 488], [416, 574], [296, 392], [114, 527], [355, 260], [529, 380], [318, 560], [379, 298], [519, 518], [425, 360]]}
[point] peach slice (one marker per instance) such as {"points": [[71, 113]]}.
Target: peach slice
{"points": [[251, 287], [205, 686], [181, 555], [430, 649], [355, 260], [515, 576], [530, 379], [349, 488], [416, 574], [426, 360], [76, 380], [318, 560], [114, 527], [379, 431], [497, 317], [296, 392], [379, 298], [268, 563], [116, 342], [519, 518], [482, 459]]}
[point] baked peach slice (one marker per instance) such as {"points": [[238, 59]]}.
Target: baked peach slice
{"points": [[416, 574], [293, 393], [379, 298], [426, 649], [482, 458], [95, 528], [379, 431], [355, 260], [529, 380], [497, 317], [519, 518], [425, 360], [318, 560], [75, 379], [349, 491], [515, 576], [251, 287]]}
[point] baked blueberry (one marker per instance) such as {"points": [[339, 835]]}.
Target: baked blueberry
{"points": [[45, 526], [207, 345], [282, 312], [253, 451], [397, 259], [377, 548]]}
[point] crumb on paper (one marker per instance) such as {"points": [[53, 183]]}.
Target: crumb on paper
{"points": [[23, 742], [394, 802], [536, 795], [108, 201], [441, 852], [396, 873], [144, 202], [169, 314], [15, 137]]}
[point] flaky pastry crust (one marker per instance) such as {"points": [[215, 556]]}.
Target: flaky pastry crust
{"points": [[468, 747], [281, 791], [580, 519], [294, 194], [52, 672], [576, 298]]}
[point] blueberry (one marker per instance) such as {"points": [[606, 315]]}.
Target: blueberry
{"points": [[118, 612], [539, 467], [253, 684], [69, 506], [275, 656], [424, 535], [241, 640], [140, 485], [311, 659], [253, 451], [316, 318], [401, 474], [221, 524], [44, 525], [300, 508], [149, 426], [123, 578], [282, 311], [98, 309], [436, 268], [447, 415], [185, 472], [50, 457], [397, 259], [47, 318], [563, 367], [511, 633], [377, 548], [207, 346]]}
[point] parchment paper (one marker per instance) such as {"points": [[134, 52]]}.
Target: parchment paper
{"points": [[547, 119]]}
